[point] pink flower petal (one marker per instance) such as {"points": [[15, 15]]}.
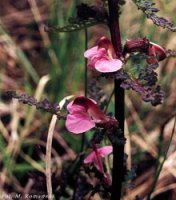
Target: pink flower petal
{"points": [[72, 108], [96, 114], [69, 107], [95, 56], [83, 114], [79, 104], [92, 157], [157, 52], [83, 102], [79, 122], [91, 52], [104, 151], [103, 57], [110, 65], [91, 108], [104, 42]]}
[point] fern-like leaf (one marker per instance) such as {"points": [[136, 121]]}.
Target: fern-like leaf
{"points": [[150, 11], [76, 26]]}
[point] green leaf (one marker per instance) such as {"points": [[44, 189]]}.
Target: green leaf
{"points": [[6, 157], [24, 167]]}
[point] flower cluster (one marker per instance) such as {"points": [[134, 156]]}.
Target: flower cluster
{"points": [[104, 59], [84, 113]]}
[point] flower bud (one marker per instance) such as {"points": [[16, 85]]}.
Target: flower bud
{"points": [[157, 52], [136, 45]]}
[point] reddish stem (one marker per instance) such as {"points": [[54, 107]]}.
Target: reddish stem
{"points": [[118, 149]]}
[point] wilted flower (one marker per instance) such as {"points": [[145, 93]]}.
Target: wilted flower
{"points": [[97, 156], [83, 115], [102, 57]]}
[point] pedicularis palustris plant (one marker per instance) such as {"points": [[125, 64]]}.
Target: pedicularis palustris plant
{"points": [[110, 60]]}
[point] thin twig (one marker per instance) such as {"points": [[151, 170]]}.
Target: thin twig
{"points": [[32, 162], [161, 137], [19, 54], [135, 117], [46, 40], [49, 149], [109, 100], [85, 78], [128, 146], [28, 187], [158, 170], [4, 131], [85, 84], [48, 156], [164, 189]]}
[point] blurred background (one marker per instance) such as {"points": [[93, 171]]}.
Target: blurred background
{"points": [[51, 65]]}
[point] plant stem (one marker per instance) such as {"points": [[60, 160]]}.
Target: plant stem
{"points": [[85, 78], [118, 149], [48, 156], [85, 84], [109, 100]]}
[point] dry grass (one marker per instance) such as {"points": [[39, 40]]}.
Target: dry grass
{"points": [[27, 55]]}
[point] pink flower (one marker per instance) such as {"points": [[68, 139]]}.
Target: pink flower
{"points": [[83, 115], [156, 52], [96, 157], [102, 57]]}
